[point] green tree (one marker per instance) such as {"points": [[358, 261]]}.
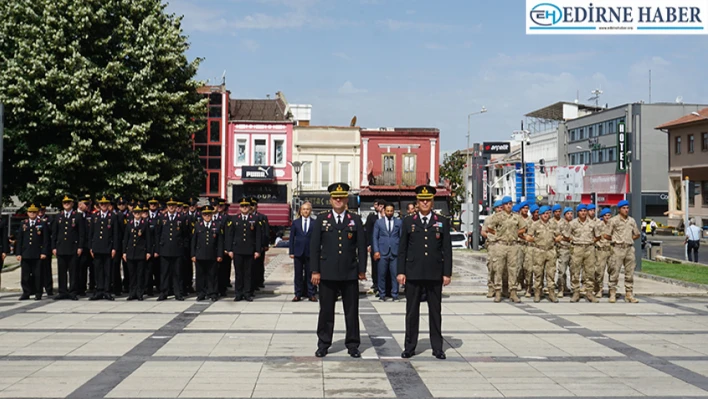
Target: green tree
{"points": [[99, 97], [451, 170]]}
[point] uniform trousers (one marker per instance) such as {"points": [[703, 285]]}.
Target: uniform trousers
{"points": [[349, 290], [302, 266], [102, 267], [126, 276], [31, 276], [545, 267], [155, 275], [206, 279], [68, 264], [563, 266], [528, 264], [414, 289], [258, 271], [582, 260], [116, 282], [224, 274], [85, 273], [135, 269], [187, 273], [622, 257], [170, 275], [47, 280], [504, 261], [603, 256], [243, 265]]}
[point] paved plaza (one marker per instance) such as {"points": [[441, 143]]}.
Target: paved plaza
{"points": [[265, 349]]}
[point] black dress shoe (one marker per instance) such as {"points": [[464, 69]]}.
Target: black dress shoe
{"points": [[24, 297], [321, 352], [201, 298], [95, 297], [248, 298], [354, 353], [238, 298], [109, 297], [74, 297], [162, 297], [130, 298], [61, 296], [179, 298], [140, 298], [37, 297], [407, 355], [214, 299], [440, 355], [296, 299]]}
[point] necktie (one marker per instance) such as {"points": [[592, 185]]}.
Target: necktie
{"points": [[390, 226], [306, 225], [172, 218], [66, 215], [32, 224], [425, 221], [208, 226], [339, 219]]}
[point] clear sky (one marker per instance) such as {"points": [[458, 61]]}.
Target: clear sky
{"points": [[413, 63]]}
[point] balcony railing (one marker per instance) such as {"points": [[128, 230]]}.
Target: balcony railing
{"points": [[401, 179]]}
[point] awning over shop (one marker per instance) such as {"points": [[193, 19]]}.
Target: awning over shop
{"points": [[278, 214]]}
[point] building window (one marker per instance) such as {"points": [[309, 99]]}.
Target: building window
{"points": [[692, 194], [389, 169], [611, 154], [591, 131], [599, 129], [214, 131], [279, 152], [259, 152], [306, 173], [704, 193], [214, 183], [581, 135], [610, 127], [677, 144], [409, 177], [344, 172], [324, 174], [690, 144], [241, 151], [704, 141]]}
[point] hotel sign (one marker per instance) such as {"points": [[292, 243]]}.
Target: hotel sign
{"points": [[621, 148]]}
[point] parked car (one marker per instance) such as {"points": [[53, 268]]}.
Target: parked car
{"points": [[459, 240]]}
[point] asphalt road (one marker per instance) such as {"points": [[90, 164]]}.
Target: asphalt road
{"points": [[674, 248]]}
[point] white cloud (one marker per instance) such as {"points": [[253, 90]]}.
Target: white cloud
{"points": [[434, 46], [348, 88], [196, 18], [342, 55], [250, 45], [525, 60]]}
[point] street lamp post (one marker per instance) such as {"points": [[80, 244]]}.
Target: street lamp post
{"points": [[297, 166], [468, 193]]}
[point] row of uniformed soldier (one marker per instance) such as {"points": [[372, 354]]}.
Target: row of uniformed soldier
{"points": [[528, 244]]}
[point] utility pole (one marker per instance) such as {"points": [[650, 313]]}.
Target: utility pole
{"points": [[523, 165], [686, 185], [636, 174], [476, 177]]}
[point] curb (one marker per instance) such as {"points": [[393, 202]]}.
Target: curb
{"points": [[10, 268], [672, 281], [666, 259]]}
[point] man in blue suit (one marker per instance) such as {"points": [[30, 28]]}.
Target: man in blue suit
{"points": [[387, 235], [300, 233]]}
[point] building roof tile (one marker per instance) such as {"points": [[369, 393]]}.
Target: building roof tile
{"points": [[686, 120]]}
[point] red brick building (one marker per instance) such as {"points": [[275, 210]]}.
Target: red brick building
{"points": [[396, 160]]}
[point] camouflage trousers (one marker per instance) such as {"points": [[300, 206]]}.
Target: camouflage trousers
{"points": [[504, 263], [622, 257], [603, 256], [544, 265], [525, 266], [582, 261], [562, 265]]}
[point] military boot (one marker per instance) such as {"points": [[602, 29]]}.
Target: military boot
{"points": [[613, 295], [576, 296], [560, 292], [537, 296], [497, 296], [528, 293], [552, 296], [629, 297], [590, 297], [490, 292], [514, 297]]}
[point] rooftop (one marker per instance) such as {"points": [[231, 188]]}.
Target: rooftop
{"points": [[555, 111], [258, 110], [686, 120]]}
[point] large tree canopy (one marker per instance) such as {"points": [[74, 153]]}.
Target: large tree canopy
{"points": [[99, 98], [451, 170]]}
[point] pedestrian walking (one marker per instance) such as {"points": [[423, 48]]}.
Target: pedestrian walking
{"points": [[693, 241], [32, 247], [299, 251], [68, 237], [385, 244], [425, 252], [338, 261]]}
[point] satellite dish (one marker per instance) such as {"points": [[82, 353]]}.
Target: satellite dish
{"points": [[679, 100], [353, 122], [369, 167]]}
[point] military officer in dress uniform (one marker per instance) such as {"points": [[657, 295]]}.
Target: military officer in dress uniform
{"points": [[221, 218], [258, 273], [243, 245], [124, 217], [338, 261], [47, 280], [32, 247], [104, 241], [152, 271], [86, 272], [425, 262], [137, 250], [171, 232], [4, 244], [207, 249], [191, 213], [68, 237]]}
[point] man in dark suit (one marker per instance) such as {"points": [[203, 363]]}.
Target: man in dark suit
{"points": [[300, 233], [387, 235], [258, 273], [171, 232], [369, 227], [32, 247], [104, 241], [137, 250], [425, 255], [68, 237], [338, 260], [152, 271], [207, 248], [47, 280], [243, 245]]}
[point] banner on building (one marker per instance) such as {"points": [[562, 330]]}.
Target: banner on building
{"points": [[608, 184], [569, 179]]}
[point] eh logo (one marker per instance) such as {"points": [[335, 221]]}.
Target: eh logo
{"points": [[546, 14]]}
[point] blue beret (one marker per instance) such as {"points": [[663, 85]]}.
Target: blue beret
{"points": [[525, 204], [497, 204], [506, 200], [516, 208], [581, 207], [545, 209], [567, 209], [605, 211], [556, 207], [533, 208], [622, 203], [591, 207]]}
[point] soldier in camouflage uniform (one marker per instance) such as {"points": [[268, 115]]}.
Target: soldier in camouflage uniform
{"points": [[490, 240], [623, 233], [543, 235], [525, 257], [508, 227], [581, 233], [564, 253], [603, 249]]}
